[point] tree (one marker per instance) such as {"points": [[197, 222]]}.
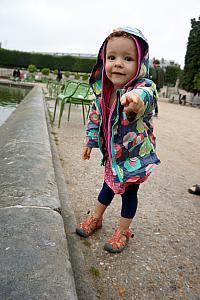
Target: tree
{"points": [[197, 82], [171, 75], [192, 58]]}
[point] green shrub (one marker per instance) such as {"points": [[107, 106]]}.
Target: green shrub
{"points": [[32, 68], [55, 72], [77, 76], [19, 59], [66, 74], [45, 71], [85, 76]]}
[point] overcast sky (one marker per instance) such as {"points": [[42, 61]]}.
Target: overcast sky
{"points": [[80, 26]]}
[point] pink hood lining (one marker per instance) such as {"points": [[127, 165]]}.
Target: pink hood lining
{"points": [[106, 91]]}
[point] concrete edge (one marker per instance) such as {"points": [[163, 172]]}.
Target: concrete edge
{"points": [[27, 174], [35, 260], [85, 289], [72, 289]]}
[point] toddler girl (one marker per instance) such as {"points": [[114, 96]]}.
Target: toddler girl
{"points": [[120, 125]]}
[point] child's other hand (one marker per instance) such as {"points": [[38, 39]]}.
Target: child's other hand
{"points": [[86, 153], [132, 103]]}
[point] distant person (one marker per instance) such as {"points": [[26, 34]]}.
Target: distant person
{"points": [[183, 99], [59, 75], [119, 124], [15, 73], [195, 189], [18, 73], [158, 78]]}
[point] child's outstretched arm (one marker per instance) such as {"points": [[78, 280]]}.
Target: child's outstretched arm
{"points": [[132, 103], [141, 98]]}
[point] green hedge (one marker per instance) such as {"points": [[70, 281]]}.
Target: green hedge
{"points": [[14, 59]]}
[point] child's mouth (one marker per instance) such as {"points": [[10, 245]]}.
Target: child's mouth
{"points": [[117, 73]]}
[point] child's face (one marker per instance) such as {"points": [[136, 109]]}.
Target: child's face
{"points": [[121, 60]]}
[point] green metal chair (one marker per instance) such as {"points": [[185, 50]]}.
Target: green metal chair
{"points": [[54, 88], [75, 92], [68, 88], [83, 96]]}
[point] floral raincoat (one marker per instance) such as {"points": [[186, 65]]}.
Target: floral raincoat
{"points": [[126, 141]]}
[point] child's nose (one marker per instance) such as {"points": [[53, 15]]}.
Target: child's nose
{"points": [[118, 62]]}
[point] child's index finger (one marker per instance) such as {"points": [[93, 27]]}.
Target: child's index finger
{"points": [[124, 100]]}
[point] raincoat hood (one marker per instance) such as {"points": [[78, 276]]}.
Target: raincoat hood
{"points": [[98, 76]]}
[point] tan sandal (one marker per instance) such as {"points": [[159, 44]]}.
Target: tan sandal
{"points": [[118, 241], [87, 227]]}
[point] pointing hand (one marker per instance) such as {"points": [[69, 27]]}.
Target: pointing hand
{"points": [[132, 103]]}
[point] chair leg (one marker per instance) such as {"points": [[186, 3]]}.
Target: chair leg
{"points": [[69, 110], [83, 109], [54, 113], [88, 111], [61, 112]]}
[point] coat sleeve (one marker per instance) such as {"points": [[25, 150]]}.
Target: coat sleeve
{"points": [[146, 90], [92, 128]]}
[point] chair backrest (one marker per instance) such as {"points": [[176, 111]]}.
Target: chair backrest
{"points": [[82, 91], [64, 86], [54, 88], [70, 87]]}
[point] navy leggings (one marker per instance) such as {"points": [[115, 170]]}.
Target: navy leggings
{"points": [[129, 199]]}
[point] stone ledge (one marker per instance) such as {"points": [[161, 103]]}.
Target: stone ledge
{"points": [[34, 257], [27, 174]]}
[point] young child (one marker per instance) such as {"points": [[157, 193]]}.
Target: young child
{"points": [[120, 125]]}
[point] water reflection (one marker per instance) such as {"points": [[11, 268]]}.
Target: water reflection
{"points": [[5, 112], [10, 97]]}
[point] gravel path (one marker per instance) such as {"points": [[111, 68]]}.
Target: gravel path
{"points": [[163, 259]]}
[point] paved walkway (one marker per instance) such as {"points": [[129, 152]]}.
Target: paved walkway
{"points": [[162, 261]]}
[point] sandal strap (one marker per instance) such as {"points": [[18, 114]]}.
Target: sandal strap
{"points": [[90, 223], [115, 240]]}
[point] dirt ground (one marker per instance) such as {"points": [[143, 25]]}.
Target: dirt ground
{"points": [[162, 261]]}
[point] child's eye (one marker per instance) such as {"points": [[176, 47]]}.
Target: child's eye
{"points": [[128, 58], [111, 57]]}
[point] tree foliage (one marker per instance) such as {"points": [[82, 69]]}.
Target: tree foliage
{"points": [[171, 75], [192, 59], [197, 82]]}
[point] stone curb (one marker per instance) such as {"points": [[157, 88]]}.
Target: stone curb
{"points": [[84, 288], [30, 266], [34, 258]]}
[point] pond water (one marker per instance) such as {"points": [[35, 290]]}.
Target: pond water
{"points": [[10, 97]]}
